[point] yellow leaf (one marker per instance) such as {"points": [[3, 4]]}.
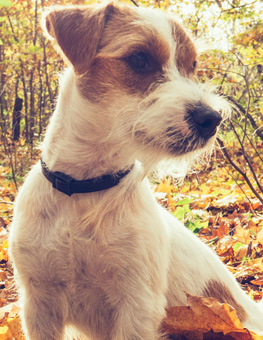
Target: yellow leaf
{"points": [[260, 237], [15, 328], [5, 244], [11, 329], [5, 333], [165, 186]]}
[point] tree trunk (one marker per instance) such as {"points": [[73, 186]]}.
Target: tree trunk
{"points": [[17, 118]]}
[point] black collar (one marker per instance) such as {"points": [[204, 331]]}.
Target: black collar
{"points": [[69, 185]]}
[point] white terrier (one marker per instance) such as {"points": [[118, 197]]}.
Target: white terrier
{"points": [[94, 250]]}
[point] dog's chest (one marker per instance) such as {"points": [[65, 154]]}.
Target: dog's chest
{"points": [[132, 263], [121, 259]]}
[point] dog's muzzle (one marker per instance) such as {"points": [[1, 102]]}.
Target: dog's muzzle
{"points": [[205, 120]]}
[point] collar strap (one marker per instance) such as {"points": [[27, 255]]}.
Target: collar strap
{"points": [[69, 185]]}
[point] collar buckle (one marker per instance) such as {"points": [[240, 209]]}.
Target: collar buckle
{"points": [[62, 183]]}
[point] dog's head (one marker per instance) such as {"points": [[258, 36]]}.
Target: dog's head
{"points": [[137, 67]]}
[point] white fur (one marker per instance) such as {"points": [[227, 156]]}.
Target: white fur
{"points": [[109, 263]]}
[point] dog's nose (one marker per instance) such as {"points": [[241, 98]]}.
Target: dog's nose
{"points": [[206, 120]]}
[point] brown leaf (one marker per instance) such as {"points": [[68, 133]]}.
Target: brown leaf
{"points": [[223, 229], [241, 252], [242, 235], [206, 318], [2, 222]]}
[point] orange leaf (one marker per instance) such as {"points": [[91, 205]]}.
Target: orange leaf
{"points": [[204, 317], [260, 237], [258, 282], [165, 186], [242, 235], [223, 229]]}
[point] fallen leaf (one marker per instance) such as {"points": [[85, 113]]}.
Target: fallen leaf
{"points": [[203, 318], [260, 237], [242, 235], [223, 229], [257, 282], [2, 222], [241, 252]]}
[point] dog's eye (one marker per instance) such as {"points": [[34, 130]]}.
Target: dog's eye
{"points": [[194, 64], [139, 61]]}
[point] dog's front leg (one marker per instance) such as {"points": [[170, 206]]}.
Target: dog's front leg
{"points": [[137, 302], [42, 315], [135, 314], [139, 320]]}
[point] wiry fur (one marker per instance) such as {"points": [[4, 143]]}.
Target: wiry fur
{"points": [[109, 263]]}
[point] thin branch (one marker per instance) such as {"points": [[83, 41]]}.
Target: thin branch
{"points": [[246, 157], [5, 85], [221, 71], [12, 28], [35, 29], [250, 141], [135, 3], [5, 202], [238, 7], [240, 187], [252, 121], [242, 173]]}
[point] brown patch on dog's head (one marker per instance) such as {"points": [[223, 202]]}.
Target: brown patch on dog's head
{"points": [[99, 42], [125, 37], [185, 54], [102, 42], [77, 31], [220, 291]]}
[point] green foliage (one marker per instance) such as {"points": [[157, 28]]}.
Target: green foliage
{"points": [[245, 259], [191, 220], [237, 245], [5, 3], [196, 224], [183, 208]]}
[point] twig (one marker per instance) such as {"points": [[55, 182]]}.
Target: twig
{"points": [[135, 3], [5, 202], [212, 240], [252, 121], [242, 173], [12, 28], [250, 141], [247, 158], [236, 7], [5, 85], [241, 189]]}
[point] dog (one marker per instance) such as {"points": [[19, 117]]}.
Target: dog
{"points": [[91, 247]]}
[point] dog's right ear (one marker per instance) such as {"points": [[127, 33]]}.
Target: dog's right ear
{"points": [[77, 31]]}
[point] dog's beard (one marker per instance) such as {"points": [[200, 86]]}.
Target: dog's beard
{"points": [[179, 144], [188, 144], [174, 143]]}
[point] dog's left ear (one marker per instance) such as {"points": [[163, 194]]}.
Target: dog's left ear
{"points": [[77, 31]]}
